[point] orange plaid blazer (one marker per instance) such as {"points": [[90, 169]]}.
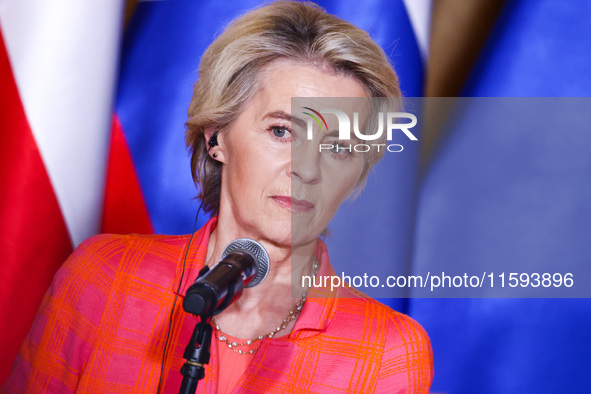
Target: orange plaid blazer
{"points": [[103, 323]]}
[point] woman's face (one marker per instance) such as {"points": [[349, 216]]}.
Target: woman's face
{"points": [[274, 180]]}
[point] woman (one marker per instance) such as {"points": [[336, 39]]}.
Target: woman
{"points": [[104, 324]]}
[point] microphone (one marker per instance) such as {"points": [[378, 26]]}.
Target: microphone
{"points": [[244, 263]]}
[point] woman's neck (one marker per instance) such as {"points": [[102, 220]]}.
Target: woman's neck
{"points": [[262, 308]]}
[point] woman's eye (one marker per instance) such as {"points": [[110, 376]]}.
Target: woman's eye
{"points": [[280, 132], [340, 149]]}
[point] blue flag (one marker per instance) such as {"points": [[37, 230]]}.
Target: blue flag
{"points": [[521, 197]]}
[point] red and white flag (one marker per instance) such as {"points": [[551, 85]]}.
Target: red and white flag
{"points": [[58, 63]]}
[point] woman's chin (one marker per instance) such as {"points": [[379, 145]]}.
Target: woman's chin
{"points": [[301, 236], [286, 238]]}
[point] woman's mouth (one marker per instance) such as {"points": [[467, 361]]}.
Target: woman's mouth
{"points": [[293, 204]]}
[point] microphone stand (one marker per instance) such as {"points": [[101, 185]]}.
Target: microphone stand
{"points": [[197, 355], [197, 352]]}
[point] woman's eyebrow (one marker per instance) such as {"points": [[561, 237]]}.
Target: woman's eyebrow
{"points": [[284, 115]]}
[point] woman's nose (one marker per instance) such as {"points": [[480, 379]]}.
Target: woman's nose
{"points": [[305, 164]]}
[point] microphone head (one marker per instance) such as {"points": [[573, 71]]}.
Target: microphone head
{"points": [[257, 252]]}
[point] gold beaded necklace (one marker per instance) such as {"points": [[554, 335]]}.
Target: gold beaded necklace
{"points": [[292, 315]]}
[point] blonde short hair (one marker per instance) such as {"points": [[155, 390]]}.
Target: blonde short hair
{"points": [[288, 30]]}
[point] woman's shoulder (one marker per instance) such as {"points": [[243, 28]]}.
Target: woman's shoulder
{"points": [[400, 328], [107, 267], [106, 258], [398, 342], [115, 248], [97, 243]]}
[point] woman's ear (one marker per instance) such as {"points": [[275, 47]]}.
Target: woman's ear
{"points": [[213, 143]]}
